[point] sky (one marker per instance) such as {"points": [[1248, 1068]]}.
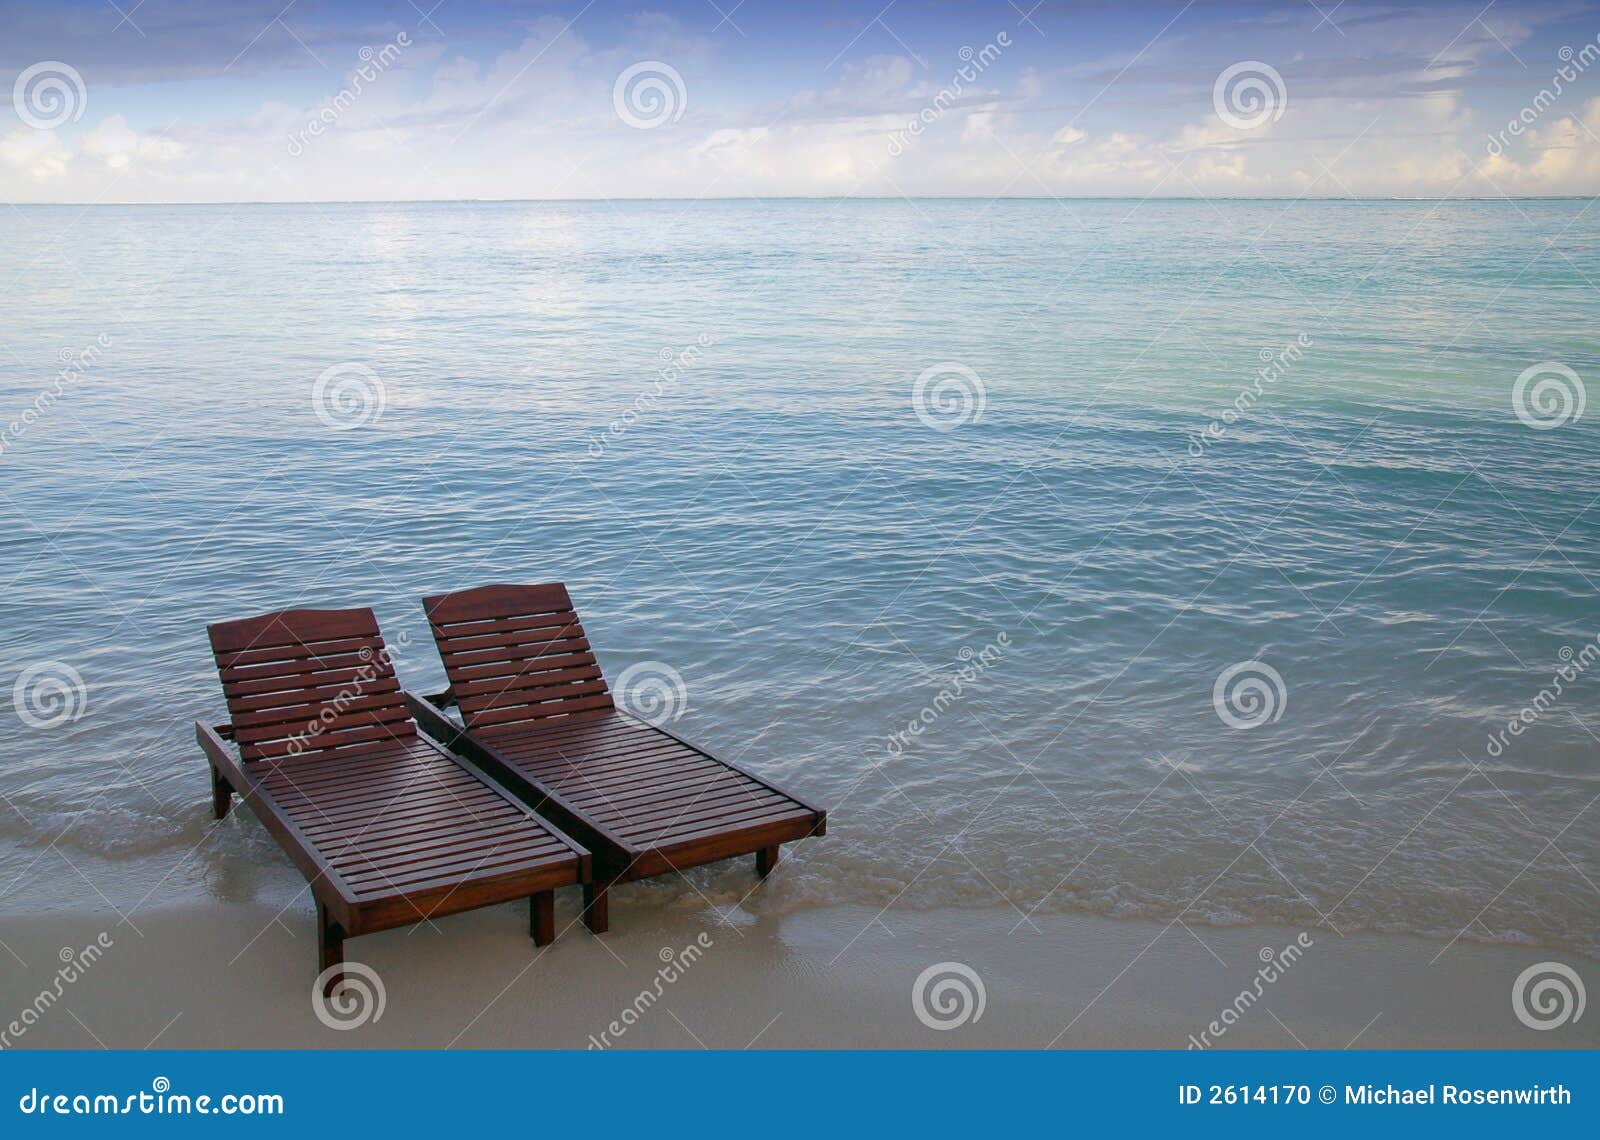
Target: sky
{"points": [[301, 100]]}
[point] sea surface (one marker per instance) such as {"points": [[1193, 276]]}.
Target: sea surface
{"points": [[1172, 559]]}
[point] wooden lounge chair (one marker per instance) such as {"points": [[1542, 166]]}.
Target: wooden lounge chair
{"points": [[388, 827], [538, 717]]}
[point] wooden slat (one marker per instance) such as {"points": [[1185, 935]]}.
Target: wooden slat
{"points": [[519, 712], [601, 757], [420, 786], [308, 682], [449, 834], [403, 818], [494, 602], [741, 802], [343, 835], [516, 625], [246, 704], [326, 743], [360, 761], [541, 630], [389, 764], [658, 760], [325, 716], [655, 790], [516, 654], [526, 679], [324, 676], [527, 689], [296, 659], [291, 627], [488, 662], [575, 732], [402, 805], [386, 809], [639, 782], [300, 650], [570, 654], [399, 870], [661, 836], [579, 785], [465, 883], [377, 829]]}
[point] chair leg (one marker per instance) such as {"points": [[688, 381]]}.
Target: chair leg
{"points": [[596, 907], [542, 918], [766, 859], [221, 794], [330, 950]]}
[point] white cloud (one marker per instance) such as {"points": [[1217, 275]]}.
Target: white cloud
{"points": [[118, 145], [39, 154], [1378, 108], [1561, 154]]}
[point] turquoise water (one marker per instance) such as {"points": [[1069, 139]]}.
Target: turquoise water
{"points": [[701, 416]]}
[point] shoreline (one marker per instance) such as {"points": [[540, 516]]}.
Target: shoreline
{"points": [[240, 976]]}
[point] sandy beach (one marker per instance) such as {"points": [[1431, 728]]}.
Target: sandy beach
{"points": [[234, 975]]}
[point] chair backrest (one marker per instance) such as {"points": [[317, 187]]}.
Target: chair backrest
{"points": [[515, 654], [302, 682]]}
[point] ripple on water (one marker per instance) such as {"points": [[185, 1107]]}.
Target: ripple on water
{"points": [[778, 524]]}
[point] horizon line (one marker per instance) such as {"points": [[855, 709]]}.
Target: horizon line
{"points": [[839, 198]]}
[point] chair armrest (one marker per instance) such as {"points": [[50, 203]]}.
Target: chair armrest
{"points": [[430, 717], [210, 740]]}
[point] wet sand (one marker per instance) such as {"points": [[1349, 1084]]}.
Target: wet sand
{"points": [[241, 976]]}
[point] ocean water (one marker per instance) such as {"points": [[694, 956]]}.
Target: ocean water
{"points": [[707, 419]]}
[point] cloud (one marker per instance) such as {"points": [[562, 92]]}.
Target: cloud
{"points": [[40, 154], [1563, 154], [1392, 102], [118, 145]]}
